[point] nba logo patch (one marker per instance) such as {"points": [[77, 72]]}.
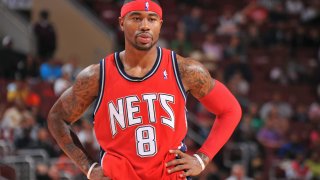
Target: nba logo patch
{"points": [[165, 75], [147, 6]]}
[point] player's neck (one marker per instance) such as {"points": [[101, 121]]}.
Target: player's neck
{"points": [[134, 57]]}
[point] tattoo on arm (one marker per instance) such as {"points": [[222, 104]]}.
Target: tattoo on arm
{"points": [[195, 77], [79, 97], [68, 109]]}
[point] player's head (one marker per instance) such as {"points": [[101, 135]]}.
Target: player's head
{"points": [[141, 5], [141, 21], [44, 15]]}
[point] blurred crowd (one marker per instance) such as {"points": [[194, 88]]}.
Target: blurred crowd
{"points": [[266, 51]]}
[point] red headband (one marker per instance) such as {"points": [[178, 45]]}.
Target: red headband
{"points": [[141, 5]]}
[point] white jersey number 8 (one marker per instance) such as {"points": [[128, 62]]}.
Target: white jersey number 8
{"points": [[146, 141]]}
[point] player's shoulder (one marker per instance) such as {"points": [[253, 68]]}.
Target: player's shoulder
{"points": [[195, 76], [187, 65], [91, 72], [87, 82]]}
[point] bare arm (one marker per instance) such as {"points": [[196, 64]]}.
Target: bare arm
{"points": [[197, 80], [195, 77], [217, 99], [68, 109]]}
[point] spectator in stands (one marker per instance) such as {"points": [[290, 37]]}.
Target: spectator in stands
{"points": [[65, 81], [26, 134], [238, 85], [203, 118], [277, 14], [269, 4], [313, 39], [253, 112], [45, 36], [295, 71], [228, 24], [10, 59], [21, 89], [314, 111], [43, 141], [278, 75], [54, 173], [314, 164], [50, 71], [238, 65], [238, 172], [198, 55], [87, 138], [235, 49], [301, 113], [283, 108], [294, 7], [298, 169], [310, 14], [253, 37], [251, 123], [42, 171], [315, 138], [255, 13], [245, 130], [211, 48], [13, 115], [35, 111], [269, 136], [73, 66], [277, 34], [292, 148], [299, 37], [31, 68], [240, 88], [65, 166], [192, 22], [181, 44], [17, 89]]}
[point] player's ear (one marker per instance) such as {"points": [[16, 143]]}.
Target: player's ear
{"points": [[121, 19]]}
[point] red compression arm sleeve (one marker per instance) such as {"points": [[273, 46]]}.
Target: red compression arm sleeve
{"points": [[224, 105]]}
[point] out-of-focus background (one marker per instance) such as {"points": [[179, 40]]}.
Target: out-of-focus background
{"points": [[266, 51]]}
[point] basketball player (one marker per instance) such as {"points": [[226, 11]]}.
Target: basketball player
{"points": [[140, 116]]}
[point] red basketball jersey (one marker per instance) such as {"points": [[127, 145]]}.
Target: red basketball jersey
{"points": [[138, 120]]}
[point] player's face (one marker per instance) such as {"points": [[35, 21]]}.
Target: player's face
{"points": [[141, 29]]}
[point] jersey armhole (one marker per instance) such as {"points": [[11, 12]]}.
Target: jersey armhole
{"points": [[101, 86], [177, 74]]}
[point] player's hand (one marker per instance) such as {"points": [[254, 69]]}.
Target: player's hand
{"points": [[97, 174], [188, 165]]}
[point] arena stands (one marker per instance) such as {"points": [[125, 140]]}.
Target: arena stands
{"points": [[266, 52]]}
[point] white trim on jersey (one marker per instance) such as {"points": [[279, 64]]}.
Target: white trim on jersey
{"points": [[153, 70], [105, 153], [176, 71], [102, 77]]}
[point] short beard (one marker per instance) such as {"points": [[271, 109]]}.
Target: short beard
{"points": [[143, 48]]}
